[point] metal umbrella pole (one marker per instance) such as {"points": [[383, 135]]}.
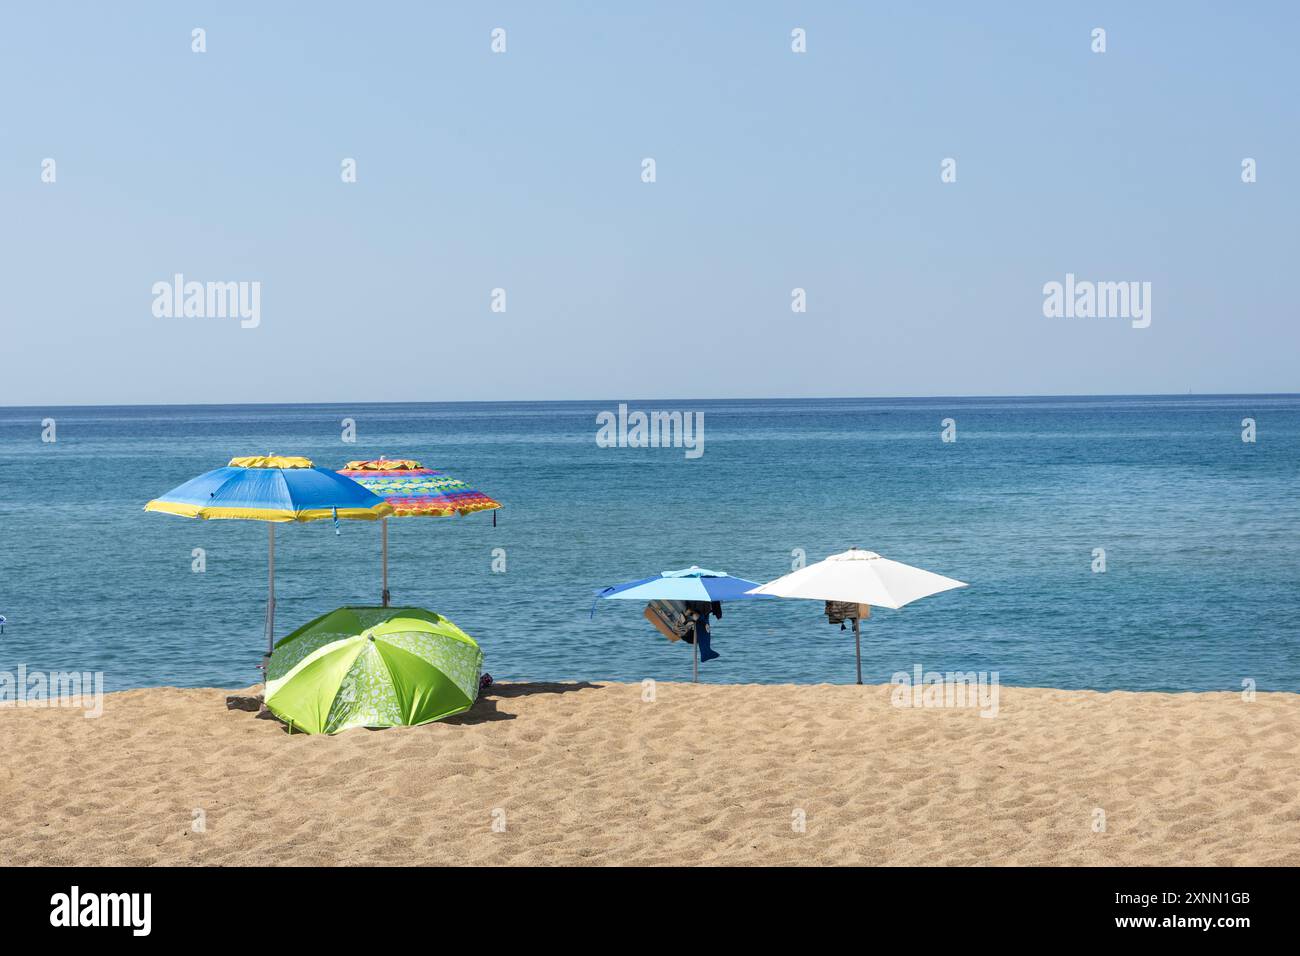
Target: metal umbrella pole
{"points": [[270, 599], [384, 535], [695, 657], [857, 647]]}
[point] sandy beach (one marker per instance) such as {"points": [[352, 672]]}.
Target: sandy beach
{"points": [[707, 774]]}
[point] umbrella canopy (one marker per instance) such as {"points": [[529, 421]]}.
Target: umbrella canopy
{"points": [[274, 488], [415, 491], [372, 667], [860, 577], [271, 488], [689, 584]]}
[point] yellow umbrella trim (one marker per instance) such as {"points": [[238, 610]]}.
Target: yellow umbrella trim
{"points": [[270, 461]]}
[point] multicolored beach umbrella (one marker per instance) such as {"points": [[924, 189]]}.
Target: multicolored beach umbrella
{"points": [[689, 584], [272, 488], [415, 491], [372, 667]]}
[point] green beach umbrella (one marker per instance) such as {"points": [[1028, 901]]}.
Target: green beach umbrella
{"points": [[372, 667]]}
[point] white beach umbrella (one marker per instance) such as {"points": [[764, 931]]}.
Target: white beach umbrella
{"points": [[860, 577]]}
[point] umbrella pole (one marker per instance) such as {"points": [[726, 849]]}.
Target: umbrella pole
{"points": [[857, 647], [384, 536], [270, 599], [695, 659]]}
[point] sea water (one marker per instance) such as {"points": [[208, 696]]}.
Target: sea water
{"points": [[1198, 533]]}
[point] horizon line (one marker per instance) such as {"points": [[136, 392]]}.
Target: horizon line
{"points": [[629, 401]]}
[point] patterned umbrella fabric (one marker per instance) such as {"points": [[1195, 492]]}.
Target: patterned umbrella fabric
{"points": [[372, 667], [415, 491]]}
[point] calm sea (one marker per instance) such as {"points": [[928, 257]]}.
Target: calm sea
{"points": [[1201, 533]]}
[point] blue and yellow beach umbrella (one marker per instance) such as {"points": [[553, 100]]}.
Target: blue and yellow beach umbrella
{"points": [[276, 489]]}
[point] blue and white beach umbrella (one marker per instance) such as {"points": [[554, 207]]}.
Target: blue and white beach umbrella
{"points": [[689, 584]]}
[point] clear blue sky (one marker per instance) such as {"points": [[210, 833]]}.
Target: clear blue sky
{"points": [[522, 171]]}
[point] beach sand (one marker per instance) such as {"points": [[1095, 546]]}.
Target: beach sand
{"points": [[592, 774]]}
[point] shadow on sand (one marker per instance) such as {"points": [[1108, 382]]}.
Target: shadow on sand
{"points": [[506, 691], [485, 708], [484, 711]]}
